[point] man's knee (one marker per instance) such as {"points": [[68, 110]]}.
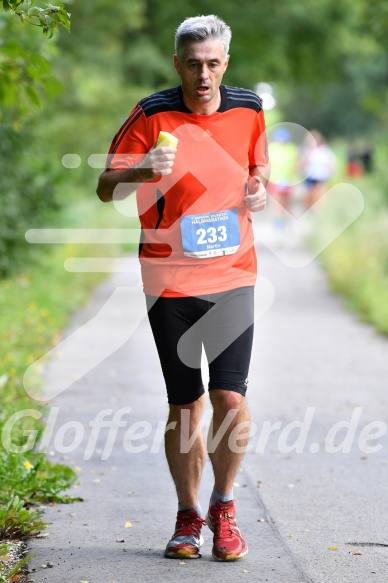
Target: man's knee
{"points": [[189, 410], [224, 400]]}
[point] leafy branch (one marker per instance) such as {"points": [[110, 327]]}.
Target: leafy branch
{"points": [[49, 18]]}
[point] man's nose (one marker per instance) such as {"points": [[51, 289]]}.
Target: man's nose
{"points": [[204, 72]]}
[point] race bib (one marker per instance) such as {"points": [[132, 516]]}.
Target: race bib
{"points": [[211, 234]]}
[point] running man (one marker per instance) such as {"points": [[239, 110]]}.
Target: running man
{"points": [[317, 165], [198, 263]]}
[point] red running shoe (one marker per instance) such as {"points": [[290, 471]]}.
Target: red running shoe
{"points": [[186, 541], [228, 542]]}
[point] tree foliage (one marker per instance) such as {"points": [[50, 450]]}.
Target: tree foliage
{"points": [[28, 173], [49, 18], [25, 59]]}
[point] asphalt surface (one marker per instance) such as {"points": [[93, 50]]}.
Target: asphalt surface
{"points": [[309, 496]]}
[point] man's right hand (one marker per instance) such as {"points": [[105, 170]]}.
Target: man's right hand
{"points": [[159, 161], [119, 184]]}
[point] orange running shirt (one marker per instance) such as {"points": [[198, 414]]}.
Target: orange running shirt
{"points": [[197, 235]]}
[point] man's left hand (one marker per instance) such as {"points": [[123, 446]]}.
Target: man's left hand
{"points": [[257, 197]]}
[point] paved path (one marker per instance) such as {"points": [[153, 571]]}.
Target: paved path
{"points": [[313, 362]]}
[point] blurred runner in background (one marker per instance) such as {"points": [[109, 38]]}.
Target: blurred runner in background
{"points": [[316, 163], [283, 154]]}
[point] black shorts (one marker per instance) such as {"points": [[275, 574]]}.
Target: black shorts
{"points": [[221, 322]]}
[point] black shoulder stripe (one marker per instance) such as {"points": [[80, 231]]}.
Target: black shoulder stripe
{"points": [[243, 98], [132, 119], [160, 105], [166, 94], [237, 97], [127, 122], [156, 98], [133, 112], [166, 100]]}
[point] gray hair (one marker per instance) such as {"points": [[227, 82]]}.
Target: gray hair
{"points": [[200, 28]]}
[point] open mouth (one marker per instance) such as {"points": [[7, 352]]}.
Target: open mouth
{"points": [[202, 89]]}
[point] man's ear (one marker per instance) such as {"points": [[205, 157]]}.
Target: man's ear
{"points": [[227, 62], [177, 64]]}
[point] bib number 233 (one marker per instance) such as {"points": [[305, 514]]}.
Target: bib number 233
{"points": [[210, 234]]}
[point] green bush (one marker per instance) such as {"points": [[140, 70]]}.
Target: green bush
{"points": [[357, 261], [29, 194], [17, 521]]}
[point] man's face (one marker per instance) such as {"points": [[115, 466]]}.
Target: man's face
{"points": [[201, 69]]}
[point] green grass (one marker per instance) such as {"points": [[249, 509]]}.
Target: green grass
{"points": [[36, 305], [357, 265], [7, 573], [357, 261]]}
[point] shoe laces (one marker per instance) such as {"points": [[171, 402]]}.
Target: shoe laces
{"points": [[225, 523], [186, 526]]}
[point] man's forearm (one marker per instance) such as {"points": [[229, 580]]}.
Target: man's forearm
{"points": [[121, 183]]}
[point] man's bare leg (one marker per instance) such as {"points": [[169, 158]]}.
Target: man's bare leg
{"points": [[231, 420], [185, 452], [186, 466], [226, 458]]}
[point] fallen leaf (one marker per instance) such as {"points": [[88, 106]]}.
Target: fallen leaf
{"points": [[236, 484], [357, 553], [245, 571], [120, 540], [78, 469], [332, 548], [128, 525], [43, 535], [182, 563], [96, 481], [48, 565], [260, 520], [291, 534]]}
